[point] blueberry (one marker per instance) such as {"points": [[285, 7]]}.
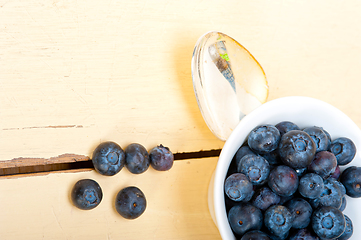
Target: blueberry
{"points": [[108, 158], [264, 198], [130, 202], [256, 168], [319, 137], [297, 149], [278, 220], [255, 235], [328, 222], [264, 139], [343, 204], [348, 229], [286, 126], [301, 212], [344, 150], [136, 158], [238, 187], [86, 194], [161, 158], [241, 152], [332, 194], [311, 185], [351, 179], [303, 234], [324, 164], [245, 217], [283, 180]]}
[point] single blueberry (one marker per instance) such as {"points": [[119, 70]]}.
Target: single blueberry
{"points": [[283, 180], [256, 168], [324, 164], [161, 158], [344, 150], [319, 137], [86, 194], [264, 139], [108, 158], [264, 198], [245, 217], [286, 126], [255, 235], [238, 187], [278, 220], [301, 212], [130, 202], [328, 222], [297, 149], [311, 185], [348, 229], [136, 158], [351, 179]]}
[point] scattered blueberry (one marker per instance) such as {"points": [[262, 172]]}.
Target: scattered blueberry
{"points": [[348, 229], [297, 149], [324, 164], [351, 179], [286, 126], [264, 198], [130, 202], [255, 235], [311, 185], [283, 180], [238, 187], [278, 220], [344, 149], [161, 158], [108, 158], [244, 218], [136, 158], [264, 139], [301, 212], [328, 222], [256, 168], [86, 194], [319, 137]]}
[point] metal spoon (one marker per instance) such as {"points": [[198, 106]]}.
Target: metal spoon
{"points": [[228, 82]]}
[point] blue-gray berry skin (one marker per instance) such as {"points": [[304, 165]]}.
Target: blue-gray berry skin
{"points": [[297, 149], [332, 193], [351, 179], [136, 158], [161, 158], [238, 187], [344, 150], [256, 168], [324, 164], [283, 180], [328, 222], [255, 235], [319, 137], [86, 194], [245, 217], [241, 152], [130, 202], [311, 185], [264, 198], [264, 139], [286, 126], [347, 234], [343, 204], [108, 158], [303, 234], [278, 220], [301, 212]]}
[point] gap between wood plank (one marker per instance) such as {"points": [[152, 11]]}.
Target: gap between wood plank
{"points": [[74, 162]]}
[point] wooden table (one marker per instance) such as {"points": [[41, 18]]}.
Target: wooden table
{"points": [[76, 73]]}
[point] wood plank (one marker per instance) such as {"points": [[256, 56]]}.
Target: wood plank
{"points": [[76, 73], [39, 206]]}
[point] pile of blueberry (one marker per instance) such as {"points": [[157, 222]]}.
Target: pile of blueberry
{"points": [[108, 159], [286, 183]]}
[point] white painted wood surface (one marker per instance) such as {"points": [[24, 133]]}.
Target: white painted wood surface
{"points": [[75, 73]]}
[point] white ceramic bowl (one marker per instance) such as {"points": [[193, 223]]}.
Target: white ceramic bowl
{"points": [[303, 111]]}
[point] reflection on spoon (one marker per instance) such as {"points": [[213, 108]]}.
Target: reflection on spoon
{"points": [[228, 82]]}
